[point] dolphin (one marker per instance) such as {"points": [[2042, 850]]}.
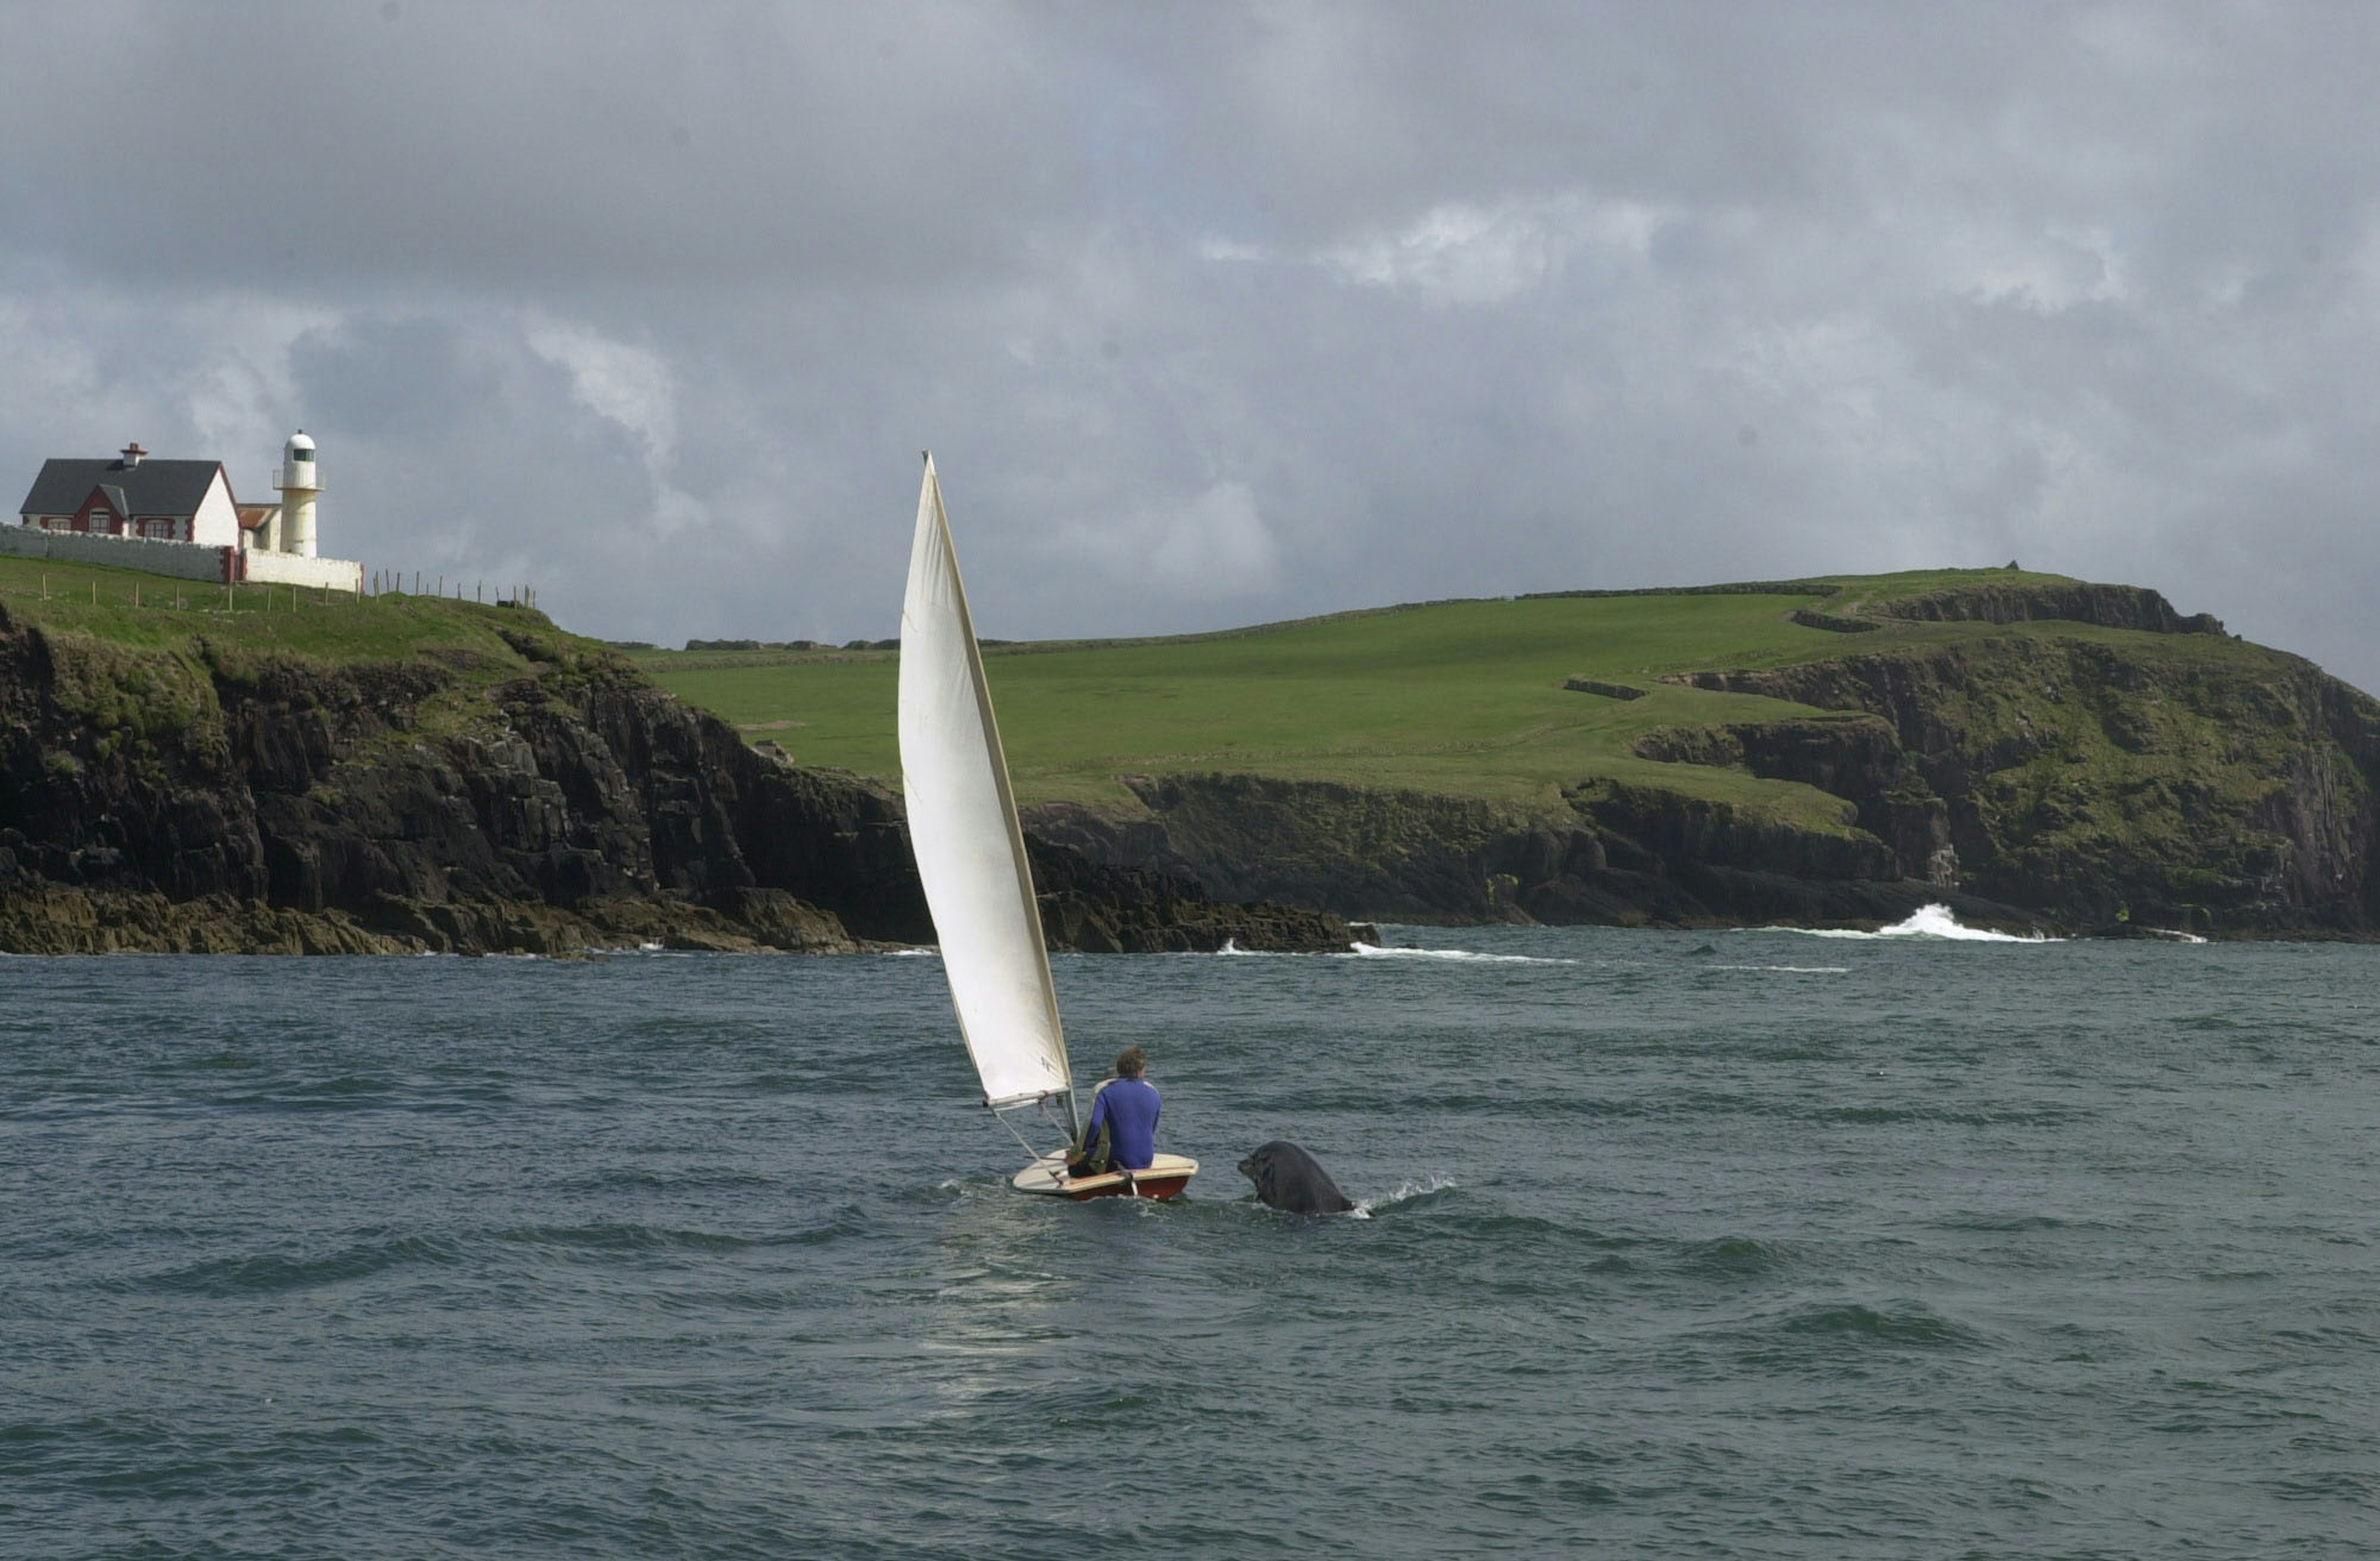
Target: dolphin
{"points": [[1289, 1178]]}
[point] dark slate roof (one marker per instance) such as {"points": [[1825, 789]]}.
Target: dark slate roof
{"points": [[172, 488]]}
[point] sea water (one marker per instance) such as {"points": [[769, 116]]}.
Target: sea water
{"points": [[1730, 1244]]}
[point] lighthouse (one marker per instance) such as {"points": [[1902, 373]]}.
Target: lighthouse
{"points": [[299, 486]]}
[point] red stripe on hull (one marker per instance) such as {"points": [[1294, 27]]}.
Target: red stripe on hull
{"points": [[1145, 1187]]}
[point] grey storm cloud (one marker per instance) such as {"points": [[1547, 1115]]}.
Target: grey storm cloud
{"points": [[1215, 313]]}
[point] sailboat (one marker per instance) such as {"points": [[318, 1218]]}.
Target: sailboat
{"points": [[979, 884]]}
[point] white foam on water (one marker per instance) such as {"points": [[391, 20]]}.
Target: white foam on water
{"points": [[1460, 956], [1792, 970], [1405, 1194], [1929, 921]]}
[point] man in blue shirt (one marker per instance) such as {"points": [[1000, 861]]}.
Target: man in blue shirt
{"points": [[1125, 1109]]}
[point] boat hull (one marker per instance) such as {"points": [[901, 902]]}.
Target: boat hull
{"points": [[1165, 1177]]}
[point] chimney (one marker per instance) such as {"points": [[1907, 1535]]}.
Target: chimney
{"points": [[131, 454]]}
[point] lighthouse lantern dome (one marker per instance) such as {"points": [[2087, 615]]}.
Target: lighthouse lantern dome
{"points": [[297, 468]]}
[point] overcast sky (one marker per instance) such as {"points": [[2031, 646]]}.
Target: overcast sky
{"points": [[1215, 313]]}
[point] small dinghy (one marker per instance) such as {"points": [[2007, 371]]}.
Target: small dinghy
{"points": [[978, 883]]}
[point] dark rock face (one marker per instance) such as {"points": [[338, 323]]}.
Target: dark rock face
{"points": [[1858, 759], [2076, 601], [1102, 909], [1623, 855], [2105, 786], [1386, 855], [168, 802], [2024, 779]]}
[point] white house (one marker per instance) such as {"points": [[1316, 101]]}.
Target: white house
{"points": [[180, 518], [134, 496]]}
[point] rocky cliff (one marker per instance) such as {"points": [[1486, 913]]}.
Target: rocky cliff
{"points": [[2102, 781], [2057, 776], [523, 790]]}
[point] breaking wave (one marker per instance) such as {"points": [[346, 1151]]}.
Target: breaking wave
{"points": [[1466, 956], [1929, 921]]}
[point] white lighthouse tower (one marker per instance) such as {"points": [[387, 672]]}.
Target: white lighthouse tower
{"points": [[298, 487]]}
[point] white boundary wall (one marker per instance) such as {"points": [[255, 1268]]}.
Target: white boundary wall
{"points": [[181, 561], [294, 569]]}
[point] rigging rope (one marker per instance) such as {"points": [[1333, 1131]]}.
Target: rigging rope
{"points": [[1030, 1152]]}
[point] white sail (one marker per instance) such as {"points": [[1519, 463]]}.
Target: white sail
{"points": [[963, 826]]}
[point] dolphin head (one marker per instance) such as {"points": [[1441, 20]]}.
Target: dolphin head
{"points": [[1258, 1167]]}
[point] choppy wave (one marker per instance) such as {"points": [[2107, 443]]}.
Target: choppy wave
{"points": [[1929, 920], [1792, 970], [1910, 1325], [1736, 1257], [584, 1256], [268, 1272]]}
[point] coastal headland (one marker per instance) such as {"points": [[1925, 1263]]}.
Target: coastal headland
{"points": [[2036, 752], [263, 771], [301, 773]]}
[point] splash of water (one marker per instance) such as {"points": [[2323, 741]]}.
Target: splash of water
{"points": [[1406, 1192], [1927, 921], [1369, 951]]}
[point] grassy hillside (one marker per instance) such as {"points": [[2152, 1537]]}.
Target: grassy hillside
{"points": [[1463, 699], [187, 769], [1723, 754], [172, 627]]}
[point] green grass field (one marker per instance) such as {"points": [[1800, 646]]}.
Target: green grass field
{"points": [[1460, 697], [169, 627], [125, 606]]}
